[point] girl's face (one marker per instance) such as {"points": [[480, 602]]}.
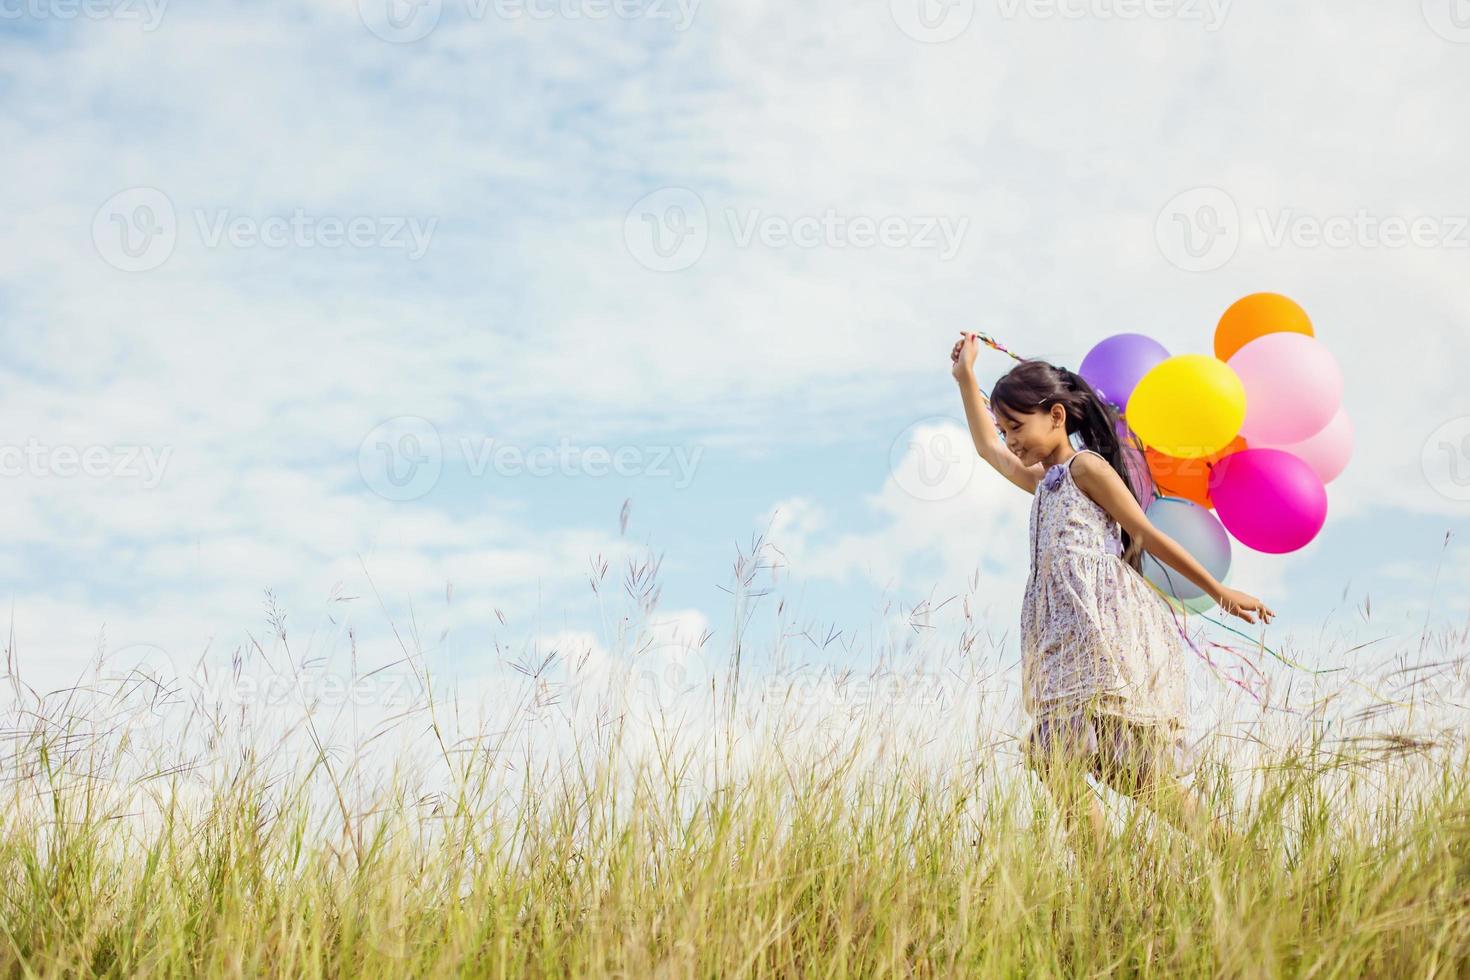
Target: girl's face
{"points": [[1032, 436]]}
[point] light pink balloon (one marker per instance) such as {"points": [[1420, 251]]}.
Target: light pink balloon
{"points": [[1328, 451], [1293, 387]]}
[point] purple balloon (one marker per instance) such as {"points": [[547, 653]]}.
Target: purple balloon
{"points": [[1115, 364], [1269, 499]]}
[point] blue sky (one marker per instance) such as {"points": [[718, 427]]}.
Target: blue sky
{"points": [[264, 241]]}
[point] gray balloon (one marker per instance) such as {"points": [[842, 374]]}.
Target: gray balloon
{"points": [[1198, 532]]}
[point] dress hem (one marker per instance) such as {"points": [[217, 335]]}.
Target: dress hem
{"points": [[1105, 703]]}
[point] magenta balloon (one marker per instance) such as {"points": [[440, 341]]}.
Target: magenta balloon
{"points": [[1293, 387], [1268, 499], [1115, 364], [1328, 451]]}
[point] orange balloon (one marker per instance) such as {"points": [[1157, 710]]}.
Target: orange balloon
{"points": [[1254, 316], [1188, 478]]}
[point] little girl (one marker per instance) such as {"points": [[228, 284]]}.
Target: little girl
{"points": [[1102, 659]]}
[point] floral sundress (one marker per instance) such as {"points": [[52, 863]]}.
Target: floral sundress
{"points": [[1102, 658]]}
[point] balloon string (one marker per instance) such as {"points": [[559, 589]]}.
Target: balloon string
{"points": [[1286, 660], [994, 344], [991, 342], [1219, 672], [1174, 613], [1376, 695], [1203, 655]]}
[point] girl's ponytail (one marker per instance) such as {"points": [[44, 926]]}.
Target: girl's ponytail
{"points": [[1097, 424]]}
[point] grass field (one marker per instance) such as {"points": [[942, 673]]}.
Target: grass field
{"points": [[729, 834]]}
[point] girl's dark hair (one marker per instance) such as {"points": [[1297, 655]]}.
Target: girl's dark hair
{"points": [[1035, 386]]}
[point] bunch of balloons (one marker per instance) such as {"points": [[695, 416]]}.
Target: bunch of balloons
{"points": [[1241, 442]]}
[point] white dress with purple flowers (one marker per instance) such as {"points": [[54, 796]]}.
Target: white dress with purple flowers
{"points": [[1096, 639]]}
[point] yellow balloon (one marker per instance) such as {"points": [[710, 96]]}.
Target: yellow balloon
{"points": [[1188, 406]]}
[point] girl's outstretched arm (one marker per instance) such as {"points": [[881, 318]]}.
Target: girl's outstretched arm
{"points": [[983, 427], [1102, 483]]}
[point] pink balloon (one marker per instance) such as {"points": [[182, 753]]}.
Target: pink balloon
{"points": [[1328, 451], [1293, 387], [1268, 499]]}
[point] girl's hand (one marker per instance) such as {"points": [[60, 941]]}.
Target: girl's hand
{"points": [[963, 355], [1243, 604]]}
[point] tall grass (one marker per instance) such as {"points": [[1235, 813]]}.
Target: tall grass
{"points": [[765, 825]]}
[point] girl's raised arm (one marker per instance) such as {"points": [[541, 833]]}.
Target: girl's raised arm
{"points": [[983, 427]]}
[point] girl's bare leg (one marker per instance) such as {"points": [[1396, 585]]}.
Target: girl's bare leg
{"points": [[1082, 812], [1183, 806]]}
